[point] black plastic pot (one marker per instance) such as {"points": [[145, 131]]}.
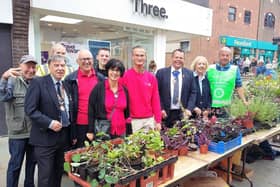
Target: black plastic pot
{"points": [[82, 169], [92, 172], [137, 163]]}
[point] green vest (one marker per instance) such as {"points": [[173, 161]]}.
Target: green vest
{"points": [[222, 84]]}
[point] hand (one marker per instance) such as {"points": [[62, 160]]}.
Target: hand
{"points": [[205, 115], [90, 136], [12, 72], [56, 126], [163, 114], [187, 113], [197, 111], [158, 126]]}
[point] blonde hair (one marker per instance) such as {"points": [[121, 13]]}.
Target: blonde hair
{"points": [[198, 59]]}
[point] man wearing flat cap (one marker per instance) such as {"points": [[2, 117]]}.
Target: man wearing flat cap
{"points": [[13, 86]]}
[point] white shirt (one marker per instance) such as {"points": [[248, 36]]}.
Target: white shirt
{"points": [[200, 79], [172, 81]]}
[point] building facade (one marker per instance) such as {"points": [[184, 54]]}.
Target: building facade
{"points": [[156, 25], [244, 26]]}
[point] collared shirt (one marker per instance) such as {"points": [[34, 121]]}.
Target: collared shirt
{"points": [[238, 80], [172, 81], [200, 79], [85, 85]]}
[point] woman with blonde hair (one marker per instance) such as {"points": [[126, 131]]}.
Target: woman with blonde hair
{"points": [[203, 97]]}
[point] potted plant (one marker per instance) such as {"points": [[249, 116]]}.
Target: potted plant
{"points": [[174, 139], [203, 142]]}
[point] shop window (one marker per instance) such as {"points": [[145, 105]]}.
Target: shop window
{"points": [[269, 20], [231, 13], [247, 17]]}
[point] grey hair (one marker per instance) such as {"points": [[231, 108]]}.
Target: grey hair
{"points": [[56, 58]]}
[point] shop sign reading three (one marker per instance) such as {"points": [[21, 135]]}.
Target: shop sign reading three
{"points": [[148, 9]]}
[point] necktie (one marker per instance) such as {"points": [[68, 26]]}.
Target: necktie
{"points": [[176, 87], [64, 117], [58, 84]]}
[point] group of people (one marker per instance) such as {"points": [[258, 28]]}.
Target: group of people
{"points": [[62, 111]]}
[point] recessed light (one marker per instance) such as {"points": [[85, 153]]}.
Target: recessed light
{"points": [[59, 19], [49, 24]]}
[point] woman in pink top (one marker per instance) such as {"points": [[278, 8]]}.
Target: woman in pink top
{"points": [[109, 100]]}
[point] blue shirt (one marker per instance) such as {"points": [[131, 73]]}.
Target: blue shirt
{"points": [[238, 80]]}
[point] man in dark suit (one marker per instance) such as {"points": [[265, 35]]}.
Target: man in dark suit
{"points": [[177, 88], [47, 104]]}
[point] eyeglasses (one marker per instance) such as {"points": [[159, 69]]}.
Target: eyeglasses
{"points": [[85, 59]]}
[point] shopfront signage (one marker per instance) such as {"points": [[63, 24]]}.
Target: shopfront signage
{"points": [[238, 42], [242, 43], [148, 9]]}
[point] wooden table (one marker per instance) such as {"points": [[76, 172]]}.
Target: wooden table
{"points": [[195, 161], [184, 167]]}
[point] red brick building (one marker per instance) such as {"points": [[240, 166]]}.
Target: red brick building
{"points": [[243, 26]]}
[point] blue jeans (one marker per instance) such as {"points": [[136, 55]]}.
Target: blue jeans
{"points": [[18, 148]]}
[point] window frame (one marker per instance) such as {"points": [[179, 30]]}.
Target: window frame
{"points": [[232, 14], [247, 18], [269, 20]]}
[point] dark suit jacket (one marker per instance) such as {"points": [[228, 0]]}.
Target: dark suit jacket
{"points": [[188, 90], [41, 105], [203, 101]]}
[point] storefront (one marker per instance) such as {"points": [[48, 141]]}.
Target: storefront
{"points": [[244, 47], [6, 21], [156, 25]]}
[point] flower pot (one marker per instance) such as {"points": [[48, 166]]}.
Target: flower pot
{"points": [[82, 169], [248, 123], [137, 163], [183, 151], [92, 172], [203, 149]]}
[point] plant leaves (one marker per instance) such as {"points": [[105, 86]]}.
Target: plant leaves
{"points": [[94, 183], [76, 158], [87, 144], [111, 179], [102, 173], [67, 167]]}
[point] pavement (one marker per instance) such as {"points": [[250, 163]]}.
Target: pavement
{"points": [[266, 172]]}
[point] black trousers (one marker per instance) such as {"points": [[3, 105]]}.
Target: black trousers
{"points": [[172, 117], [50, 160], [81, 135]]}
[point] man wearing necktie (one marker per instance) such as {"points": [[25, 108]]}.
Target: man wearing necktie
{"points": [[47, 104], [177, 89]]}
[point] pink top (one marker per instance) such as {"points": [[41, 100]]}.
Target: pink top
{"points": [[143, 94], [118, 122], [85, 85]]}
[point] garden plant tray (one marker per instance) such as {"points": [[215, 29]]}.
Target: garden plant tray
{"points": [[222, 147]]}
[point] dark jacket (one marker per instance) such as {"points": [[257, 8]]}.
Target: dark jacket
{"points": [[188, 90], [203, 101], [97, 104], [71, 83], [41, 105]]}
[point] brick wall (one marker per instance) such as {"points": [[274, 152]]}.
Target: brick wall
{"points": [[209, 46], [21, 9]]}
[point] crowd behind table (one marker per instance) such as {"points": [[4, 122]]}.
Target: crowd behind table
{"points": [[58, 110]]}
